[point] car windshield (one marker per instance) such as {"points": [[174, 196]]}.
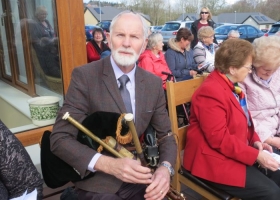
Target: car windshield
{"points": [[223, 30], [274, 29], [104, 24], [171, 27]]}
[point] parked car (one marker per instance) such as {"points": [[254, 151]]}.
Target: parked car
{"points": [[220, 24], [105, 25], [274, 28], [152, 28], [264, 30], [170, 29], [88, 31], [157, 29], [246, 32]]}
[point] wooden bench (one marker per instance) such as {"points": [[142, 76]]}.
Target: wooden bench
{"points": [[177, 94]]}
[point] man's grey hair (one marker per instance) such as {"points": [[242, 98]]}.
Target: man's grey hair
{"points": [[234, 33], [145, 25]]}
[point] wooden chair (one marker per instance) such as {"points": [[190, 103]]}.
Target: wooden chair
{"points": [[177, 94]]}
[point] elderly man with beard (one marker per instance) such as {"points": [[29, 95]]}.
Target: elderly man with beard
{"points": [[95, 87]]}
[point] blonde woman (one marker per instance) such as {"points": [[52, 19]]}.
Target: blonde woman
{"points": [[204, 20], [204, 51]]}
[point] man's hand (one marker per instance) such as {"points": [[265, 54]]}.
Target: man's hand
{"points": [[160, 184], [125, 169]]}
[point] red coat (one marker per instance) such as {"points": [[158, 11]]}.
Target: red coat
{"points": [[92, 53], [151, 63], [219, 142]]}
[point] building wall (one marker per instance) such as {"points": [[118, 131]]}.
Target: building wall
{"points": [[252, 22], [148, 23], [258, 26], [89, 18], [265, 26]]}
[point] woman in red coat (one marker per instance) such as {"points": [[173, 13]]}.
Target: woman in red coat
{"points": [[96, 46], [222, 145], [152, 59]]}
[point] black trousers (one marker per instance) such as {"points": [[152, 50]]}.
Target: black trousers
{"points": [[274, 175], [127, 191], [257, 187]]}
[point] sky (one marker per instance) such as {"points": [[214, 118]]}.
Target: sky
{"points": [[230, 1]]}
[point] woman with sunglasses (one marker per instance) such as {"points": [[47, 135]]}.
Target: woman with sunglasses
{"points": [[204, 20], [262, 88]]}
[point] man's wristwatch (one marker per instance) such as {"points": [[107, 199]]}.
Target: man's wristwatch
{"points": [[169, 167]]}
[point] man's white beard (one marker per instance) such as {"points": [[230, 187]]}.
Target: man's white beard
{"points": [[124, 60]]}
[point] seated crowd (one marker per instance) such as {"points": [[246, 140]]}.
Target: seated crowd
{"points": [[223, 136], [234, 114]]}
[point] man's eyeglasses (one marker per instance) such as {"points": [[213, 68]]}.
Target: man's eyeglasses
{"points": [[204, 12]]}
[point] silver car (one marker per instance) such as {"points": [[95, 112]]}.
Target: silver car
{"points": [[274, 29], [171, 28]]}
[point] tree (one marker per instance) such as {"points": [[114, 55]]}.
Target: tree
{"points": [[271, 9], [213, 5]]}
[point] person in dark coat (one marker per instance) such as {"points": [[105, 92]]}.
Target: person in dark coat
{"points": [[19, 178], [179, 56], [45, 43], [204, 20]]}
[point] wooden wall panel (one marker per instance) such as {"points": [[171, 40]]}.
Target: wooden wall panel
{"points": [[33, 136], [70, 15]]}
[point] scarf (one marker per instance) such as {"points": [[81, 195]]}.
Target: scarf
{"points": [[238, 93], [210, 47]]}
